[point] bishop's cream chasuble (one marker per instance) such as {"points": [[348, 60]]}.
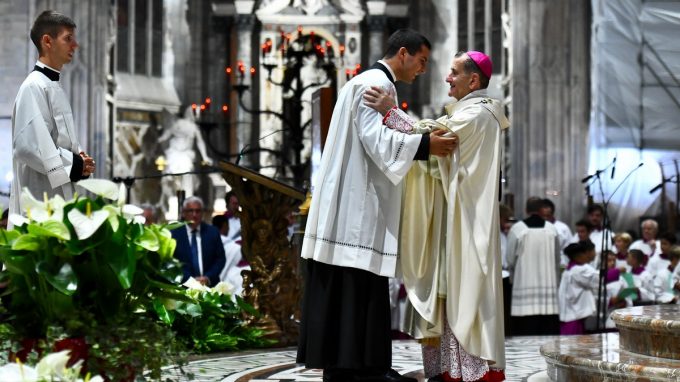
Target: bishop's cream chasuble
{"points": [[450, 233]]}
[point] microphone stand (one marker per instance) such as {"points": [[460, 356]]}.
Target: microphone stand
{"points": [[602, 301], [129, 181]]}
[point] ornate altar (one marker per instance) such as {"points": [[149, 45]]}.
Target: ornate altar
{"points": [[272, 285]]}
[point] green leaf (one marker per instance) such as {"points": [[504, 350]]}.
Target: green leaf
{"points": [[163, 313], [19, 264], [27, 242], [8, 237], [121, 259], [148, 240], [65, 280], [189, 309], [50, 228]]}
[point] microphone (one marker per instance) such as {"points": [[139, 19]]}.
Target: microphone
{"points": [[240, 153], [587, 178], [658, 186], [247, 145], [613, 167]]}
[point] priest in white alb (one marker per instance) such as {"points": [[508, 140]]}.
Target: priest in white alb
{"points": [[450, 245], [47, 158]]}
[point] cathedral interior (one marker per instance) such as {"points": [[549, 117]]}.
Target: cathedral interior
{"points": [[164, 91]]}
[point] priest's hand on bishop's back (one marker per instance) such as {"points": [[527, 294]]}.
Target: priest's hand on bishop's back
{"points": [[441, 145]]}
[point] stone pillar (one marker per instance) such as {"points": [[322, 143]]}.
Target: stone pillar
{"points": [[377, 22], [247, 126], [550, 103]]}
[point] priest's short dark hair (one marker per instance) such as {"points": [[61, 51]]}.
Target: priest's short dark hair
{"points": [[407, 38], [49, 22]]}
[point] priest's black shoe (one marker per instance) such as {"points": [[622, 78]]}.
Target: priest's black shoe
{"points": [[392, 376]]}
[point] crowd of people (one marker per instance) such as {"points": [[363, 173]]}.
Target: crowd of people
{"points": [[555, 276]]}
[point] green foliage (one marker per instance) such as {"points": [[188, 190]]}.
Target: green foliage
{"points": [[69, 277], [213, 321], [111, 274], [88, 269]]}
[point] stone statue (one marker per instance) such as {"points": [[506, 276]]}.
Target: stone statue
{"points": [[309, 7], [181, 134]]}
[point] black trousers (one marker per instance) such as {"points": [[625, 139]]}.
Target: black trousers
{"points": [[345, 319]]}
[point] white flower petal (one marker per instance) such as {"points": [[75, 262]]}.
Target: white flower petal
{"points": [[113, 216], [18, 373], [139, 219], [192, 284], [53, 364], [96, 378], [36, 210], [130, 210], [18, 220], [102, 187], [223, 287], [122, 194], [86, 226]]}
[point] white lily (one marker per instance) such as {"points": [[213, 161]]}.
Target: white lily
{"points": [[193, 284], [130, 211], [113, 212], [53, 365], [102, 187], [223, 287], [122, 194], [49, 209], [87, 224], [18, 220], [18, 373]]}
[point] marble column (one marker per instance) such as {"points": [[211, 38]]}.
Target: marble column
{"points": [[377, 22], [247, 126], [550, 102]]}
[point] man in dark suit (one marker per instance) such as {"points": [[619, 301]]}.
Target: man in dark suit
{"points": [[199, 246]]}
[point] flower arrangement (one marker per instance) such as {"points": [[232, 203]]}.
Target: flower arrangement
{"points": [[213, 319], [91, 269], [51, 368]]}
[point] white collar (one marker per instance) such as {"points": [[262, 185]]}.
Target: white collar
{"points": [[43, 65], [388, 68]]}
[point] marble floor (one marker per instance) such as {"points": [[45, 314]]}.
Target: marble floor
{"points": [[278, 365]]}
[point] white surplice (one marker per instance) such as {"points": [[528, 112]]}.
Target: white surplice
{"points": [[44, 140], [354, 217], [577, 292], [534, 257], [450, 237]]}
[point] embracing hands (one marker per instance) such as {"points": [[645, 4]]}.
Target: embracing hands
{"points": [[378, 99]]}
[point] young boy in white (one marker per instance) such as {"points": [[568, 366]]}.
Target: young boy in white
{"points": [[576, 293], [666, 282]]}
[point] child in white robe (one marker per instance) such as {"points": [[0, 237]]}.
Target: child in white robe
{"points": [[659, 261], [576, 293], [666, 283], [639, 278]]}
